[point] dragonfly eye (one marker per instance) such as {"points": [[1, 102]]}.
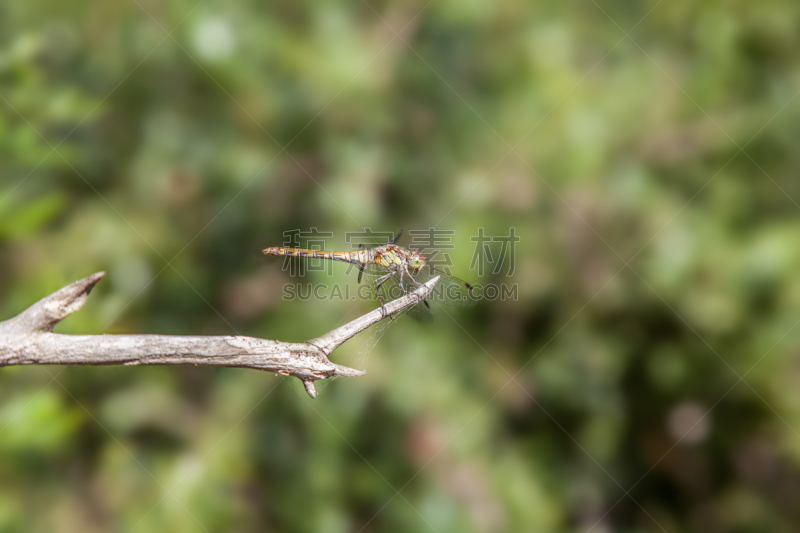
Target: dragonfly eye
{"points": [[416, 262]]}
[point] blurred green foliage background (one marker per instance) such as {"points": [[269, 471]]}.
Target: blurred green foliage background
{"points": [[644, 379]]}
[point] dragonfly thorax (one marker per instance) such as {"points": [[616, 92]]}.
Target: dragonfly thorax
{"points": [[395, 258]]}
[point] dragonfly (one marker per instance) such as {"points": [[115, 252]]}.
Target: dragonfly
{"points": [[396, 271]]}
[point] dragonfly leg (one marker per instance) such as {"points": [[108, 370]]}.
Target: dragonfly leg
{"points": [[407, 273], [380, 281]]}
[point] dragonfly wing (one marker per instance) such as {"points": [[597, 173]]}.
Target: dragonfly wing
{"points": [[449, 290], [396, 238], [421, 312]]}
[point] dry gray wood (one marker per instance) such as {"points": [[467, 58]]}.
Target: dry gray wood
{"points": [[28, 339]]}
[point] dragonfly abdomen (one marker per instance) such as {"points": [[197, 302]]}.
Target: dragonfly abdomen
{"points": [[346, 257]]}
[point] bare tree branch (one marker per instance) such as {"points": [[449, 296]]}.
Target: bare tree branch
{"points": [[28, 339]]}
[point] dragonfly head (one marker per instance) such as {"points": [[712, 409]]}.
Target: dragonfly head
{"points": [[416, 261]]}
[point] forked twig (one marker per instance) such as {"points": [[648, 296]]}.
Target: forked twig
{"points": [[28, 339]]}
